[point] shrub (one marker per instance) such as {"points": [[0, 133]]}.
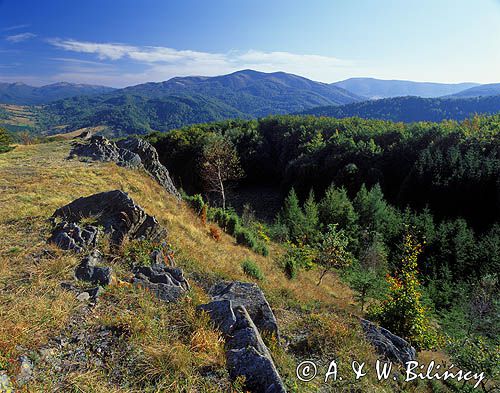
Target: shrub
{"points": [[246, 237], [402, 312], [195, 202], [297, 257], [251, 269]]}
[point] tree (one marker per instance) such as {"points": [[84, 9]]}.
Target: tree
{"points": [[402, 312], [332, 251], [336, 208], [220, 164], [292, 217], [311, 219], [5, 141], [367, 283]]}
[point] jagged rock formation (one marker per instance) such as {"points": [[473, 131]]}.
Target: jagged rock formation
{"points": [[150, 161], [252, 298], [388, 345], [114, 211], [131, 153], [246, 353], [88, 270], [167, 283]]}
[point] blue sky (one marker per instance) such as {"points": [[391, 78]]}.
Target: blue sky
{"points": [[126, 42]]}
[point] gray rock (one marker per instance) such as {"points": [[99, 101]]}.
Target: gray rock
{"points": [[131, 153], [71, 236], [83, 297], [221, 313], [248, 356], [167, 283], [88, 271], [114, 210], [150, 161], [252, 297], [98, 148], [388, 345], [165, 292], [25, 371]]}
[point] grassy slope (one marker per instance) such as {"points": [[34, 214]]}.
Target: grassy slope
{"points": [[173, 344]]}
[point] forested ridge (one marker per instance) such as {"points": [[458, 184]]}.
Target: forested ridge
{"points": [[369, 197]]}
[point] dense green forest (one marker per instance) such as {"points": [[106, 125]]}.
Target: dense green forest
{"points": [[409, 109], [419, 201]]}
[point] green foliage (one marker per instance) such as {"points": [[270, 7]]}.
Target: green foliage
{"points": [[297, 257], [367, 283], [333, 250], [402, 312], [137, 252], [337, 208], [251, 269], [5, 141], [196, 202]]}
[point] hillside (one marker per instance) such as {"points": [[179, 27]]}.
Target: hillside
{"points": [[251, 92], [411, 109], [22, 94], [378, 88], [491, 89], [183, 101], [166, 342]]}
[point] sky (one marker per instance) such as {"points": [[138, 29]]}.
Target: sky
{"points": [[126, 42]]}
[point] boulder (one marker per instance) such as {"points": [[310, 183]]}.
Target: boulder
{"points": [[71, 236], [388, 345], [150, 161], [88, 270], [131, 153], [165, 282], [252, 298], [114, 211], [246, 353], [248, 356]]}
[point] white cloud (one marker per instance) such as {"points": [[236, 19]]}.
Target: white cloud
{"points": [[20, 37], [161, 63], [16, 27]]}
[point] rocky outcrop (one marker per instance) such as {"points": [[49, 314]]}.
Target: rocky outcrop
{"points": [[150, 162], [88, 270], [246, 353], [252, 298], [166, 282], [114, 211], [248, 356], [131, 153], [388, 345]]}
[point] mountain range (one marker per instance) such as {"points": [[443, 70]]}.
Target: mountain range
{"points": [[22, 94], [378, 88], [244, 94]]}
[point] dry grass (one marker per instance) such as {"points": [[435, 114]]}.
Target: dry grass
{"points": [[174, 344]]}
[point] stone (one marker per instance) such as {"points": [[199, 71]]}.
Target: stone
{"points": [[252, 297], [221, 313], [388, 345], [248, 356], [150, 161], [114, 211], [25, 370], [71, 236], [88, 271], [131, 153], [165, 282], [83, 297]]}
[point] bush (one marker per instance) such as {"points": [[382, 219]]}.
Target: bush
{"points": [[245, 237], [195, 202], [296, 258], [215, 233], [251, 269]]}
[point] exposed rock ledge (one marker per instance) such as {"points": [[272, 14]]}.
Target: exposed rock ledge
{"points": [[246, 353], [131, 153]]}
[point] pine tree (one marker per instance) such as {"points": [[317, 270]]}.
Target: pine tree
{"points": [[5, 141], [311, 219], [292, 217], [336, 208]]}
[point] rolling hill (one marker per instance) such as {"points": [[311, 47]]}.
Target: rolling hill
{"points": [[22, 94], [378, 88], [411, 109], [491, 89], [182, 101]]}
